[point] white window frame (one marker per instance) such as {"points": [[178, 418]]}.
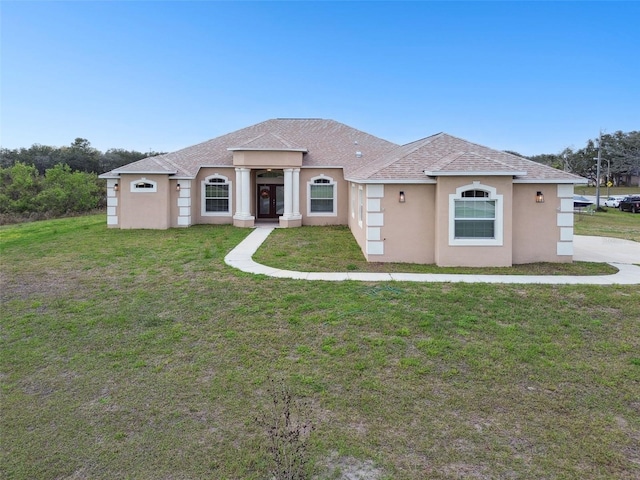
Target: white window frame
{"points": [[498, 221], [203, 196], [333, 184], [133, 186]]}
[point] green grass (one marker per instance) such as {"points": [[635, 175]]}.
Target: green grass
{"points": [[584, 190], [333, 249], [609, 223], [139, 354]]}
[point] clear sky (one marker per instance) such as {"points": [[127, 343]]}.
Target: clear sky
{"points": [[533, 77]]}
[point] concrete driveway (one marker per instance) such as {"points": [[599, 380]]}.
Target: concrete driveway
{"points": [[605, 249]]}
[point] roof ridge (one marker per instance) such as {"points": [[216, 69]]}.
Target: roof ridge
{"points": [[421, 142], [484, 146]]}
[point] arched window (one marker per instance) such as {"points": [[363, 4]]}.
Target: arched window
{"points": [[142, 185], [321, 196], [216, 196], [475, 216]]}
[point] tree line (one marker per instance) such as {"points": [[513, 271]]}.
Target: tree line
{"points": [[79, 156], [619, 159], [44, 181]]}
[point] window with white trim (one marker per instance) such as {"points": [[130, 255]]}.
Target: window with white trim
{"points": [[321, 196], [142, 185], [475, 216], [216, 196]]}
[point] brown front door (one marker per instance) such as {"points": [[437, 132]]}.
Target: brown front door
{"points": [[270, 201]]}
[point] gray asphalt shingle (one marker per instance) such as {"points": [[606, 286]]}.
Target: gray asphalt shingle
{"points": [[364, 157]]}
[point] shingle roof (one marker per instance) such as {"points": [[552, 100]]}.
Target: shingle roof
{"points": [[364, 157], [444, 154], [269, 141]]}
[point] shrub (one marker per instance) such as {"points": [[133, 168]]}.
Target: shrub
{"points": [[24, 193]]}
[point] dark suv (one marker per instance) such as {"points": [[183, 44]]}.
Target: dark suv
{"points": [[630, 203]]}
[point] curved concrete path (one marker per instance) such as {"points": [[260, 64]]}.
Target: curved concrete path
{"points": [[619, 253]]}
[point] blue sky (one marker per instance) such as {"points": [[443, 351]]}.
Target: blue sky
{"points": [[534, 77]]}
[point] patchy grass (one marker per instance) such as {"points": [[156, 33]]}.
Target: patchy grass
{"points": [[333, 249], [611, 222], [139, 354]]}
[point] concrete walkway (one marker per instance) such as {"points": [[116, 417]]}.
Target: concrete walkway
{"points": [[619, 253]]}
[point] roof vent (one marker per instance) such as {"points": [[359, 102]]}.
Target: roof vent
{"points": [[358, 154]]}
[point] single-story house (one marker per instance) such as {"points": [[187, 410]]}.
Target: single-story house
{"points": [[439, 200]]}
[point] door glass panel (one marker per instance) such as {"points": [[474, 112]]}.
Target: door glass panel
{"points": [[264, 201], [279, 199]]}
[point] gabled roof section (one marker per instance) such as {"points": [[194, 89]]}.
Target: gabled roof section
{"points": [[269, 141], [363, 157], [464, 163], [327, 143], [150, 165], [444, 154]]}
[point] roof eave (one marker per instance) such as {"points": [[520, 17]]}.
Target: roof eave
{"points": [[575, 181], [245, 149], [396, 181], [144, 172], [455, 173]]}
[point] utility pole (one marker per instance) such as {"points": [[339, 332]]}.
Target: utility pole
{"points": [[608, 175], [598, 172]]}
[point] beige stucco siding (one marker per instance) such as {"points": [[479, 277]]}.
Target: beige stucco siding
{"points": [[448, 254], [342, 197], [408, 231], [197, 194], [267, 159], [144, 209], [535, 227]]}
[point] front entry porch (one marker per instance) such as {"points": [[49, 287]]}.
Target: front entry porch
{"points": [[277, 196]]}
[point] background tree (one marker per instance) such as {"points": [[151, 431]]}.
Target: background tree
{"points": [[622, 150], [19, 186], [65, 191], [80, 156]]}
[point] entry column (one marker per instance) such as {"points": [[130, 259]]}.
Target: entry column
{"points": [[296, 193], [291, 216], [243, 217]]}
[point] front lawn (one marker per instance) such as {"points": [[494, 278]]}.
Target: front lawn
{"points": [[609, 223], [140, 354], [333, 249]]}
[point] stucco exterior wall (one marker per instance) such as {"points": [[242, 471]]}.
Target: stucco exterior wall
{"points": [[342, 192], [408, 231], [197, 193], [535, 227], [267, 159], [447, 254], [144, 209]]}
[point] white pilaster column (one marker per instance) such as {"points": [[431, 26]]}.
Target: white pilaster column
{"points": [[243, 194], [295, 192], [246, 192], [239, 208], [288, 191]]}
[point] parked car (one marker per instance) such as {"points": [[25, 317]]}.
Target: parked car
{"points": [[580, 202], [630, 204], [613, 201]]}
